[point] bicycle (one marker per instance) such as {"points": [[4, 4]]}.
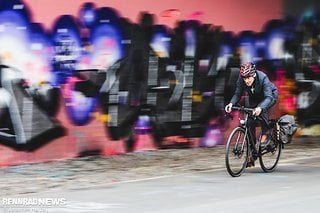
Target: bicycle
{"points": [[242, 145]]}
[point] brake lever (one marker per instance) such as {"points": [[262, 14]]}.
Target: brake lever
{"points": [[254, 116]]}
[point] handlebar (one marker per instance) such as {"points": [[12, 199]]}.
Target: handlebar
{"points": [[248, 111], [243, 109]]}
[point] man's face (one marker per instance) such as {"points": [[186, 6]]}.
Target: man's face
{"points": [[248, 81]]}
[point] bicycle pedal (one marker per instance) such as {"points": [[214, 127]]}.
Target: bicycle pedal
{"points": [[250, 164]]}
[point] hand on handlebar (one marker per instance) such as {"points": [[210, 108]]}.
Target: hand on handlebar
{"points": [[257, 111], [228, 108]]}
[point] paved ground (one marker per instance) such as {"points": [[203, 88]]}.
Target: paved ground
{"points": [[97, 170]]}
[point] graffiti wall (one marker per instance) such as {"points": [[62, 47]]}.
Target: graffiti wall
{"points": [[99, 83]]}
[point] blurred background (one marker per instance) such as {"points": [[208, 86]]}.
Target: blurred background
{"points": [[84, 78]]}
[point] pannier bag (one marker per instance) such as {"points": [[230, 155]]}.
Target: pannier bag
{"points": [[286, 128]]}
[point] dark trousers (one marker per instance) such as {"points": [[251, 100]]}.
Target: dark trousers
{"points": [[262, 120]]}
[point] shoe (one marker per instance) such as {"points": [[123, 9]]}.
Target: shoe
{"points": [[265, 140], [250, 162]]}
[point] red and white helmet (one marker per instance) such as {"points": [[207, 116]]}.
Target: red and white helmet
{"points": [[247, 69]]}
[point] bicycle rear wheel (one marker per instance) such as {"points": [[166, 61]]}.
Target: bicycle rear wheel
{"points": [[236, 152], [269, 156]]}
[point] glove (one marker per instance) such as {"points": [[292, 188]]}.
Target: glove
{"points": [[228, 108], [257, 111]]}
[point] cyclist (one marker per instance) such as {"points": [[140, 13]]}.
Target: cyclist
{"points": [[262, 95]]}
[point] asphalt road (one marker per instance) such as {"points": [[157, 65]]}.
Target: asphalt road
{"points": [[293, 187]]}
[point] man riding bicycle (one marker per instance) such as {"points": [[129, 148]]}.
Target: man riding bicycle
{"points": [[262, 95]]}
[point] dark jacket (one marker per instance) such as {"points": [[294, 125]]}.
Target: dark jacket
{"points": [[263, 93]]}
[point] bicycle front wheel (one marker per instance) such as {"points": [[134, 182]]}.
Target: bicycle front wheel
{"points": [[236, 152], [269, 156]]}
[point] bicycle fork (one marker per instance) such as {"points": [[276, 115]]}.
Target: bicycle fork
{"points": [[239, 150]]}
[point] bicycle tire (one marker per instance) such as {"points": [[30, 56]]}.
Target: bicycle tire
{"points": [[269, 156], [236, 155]]}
